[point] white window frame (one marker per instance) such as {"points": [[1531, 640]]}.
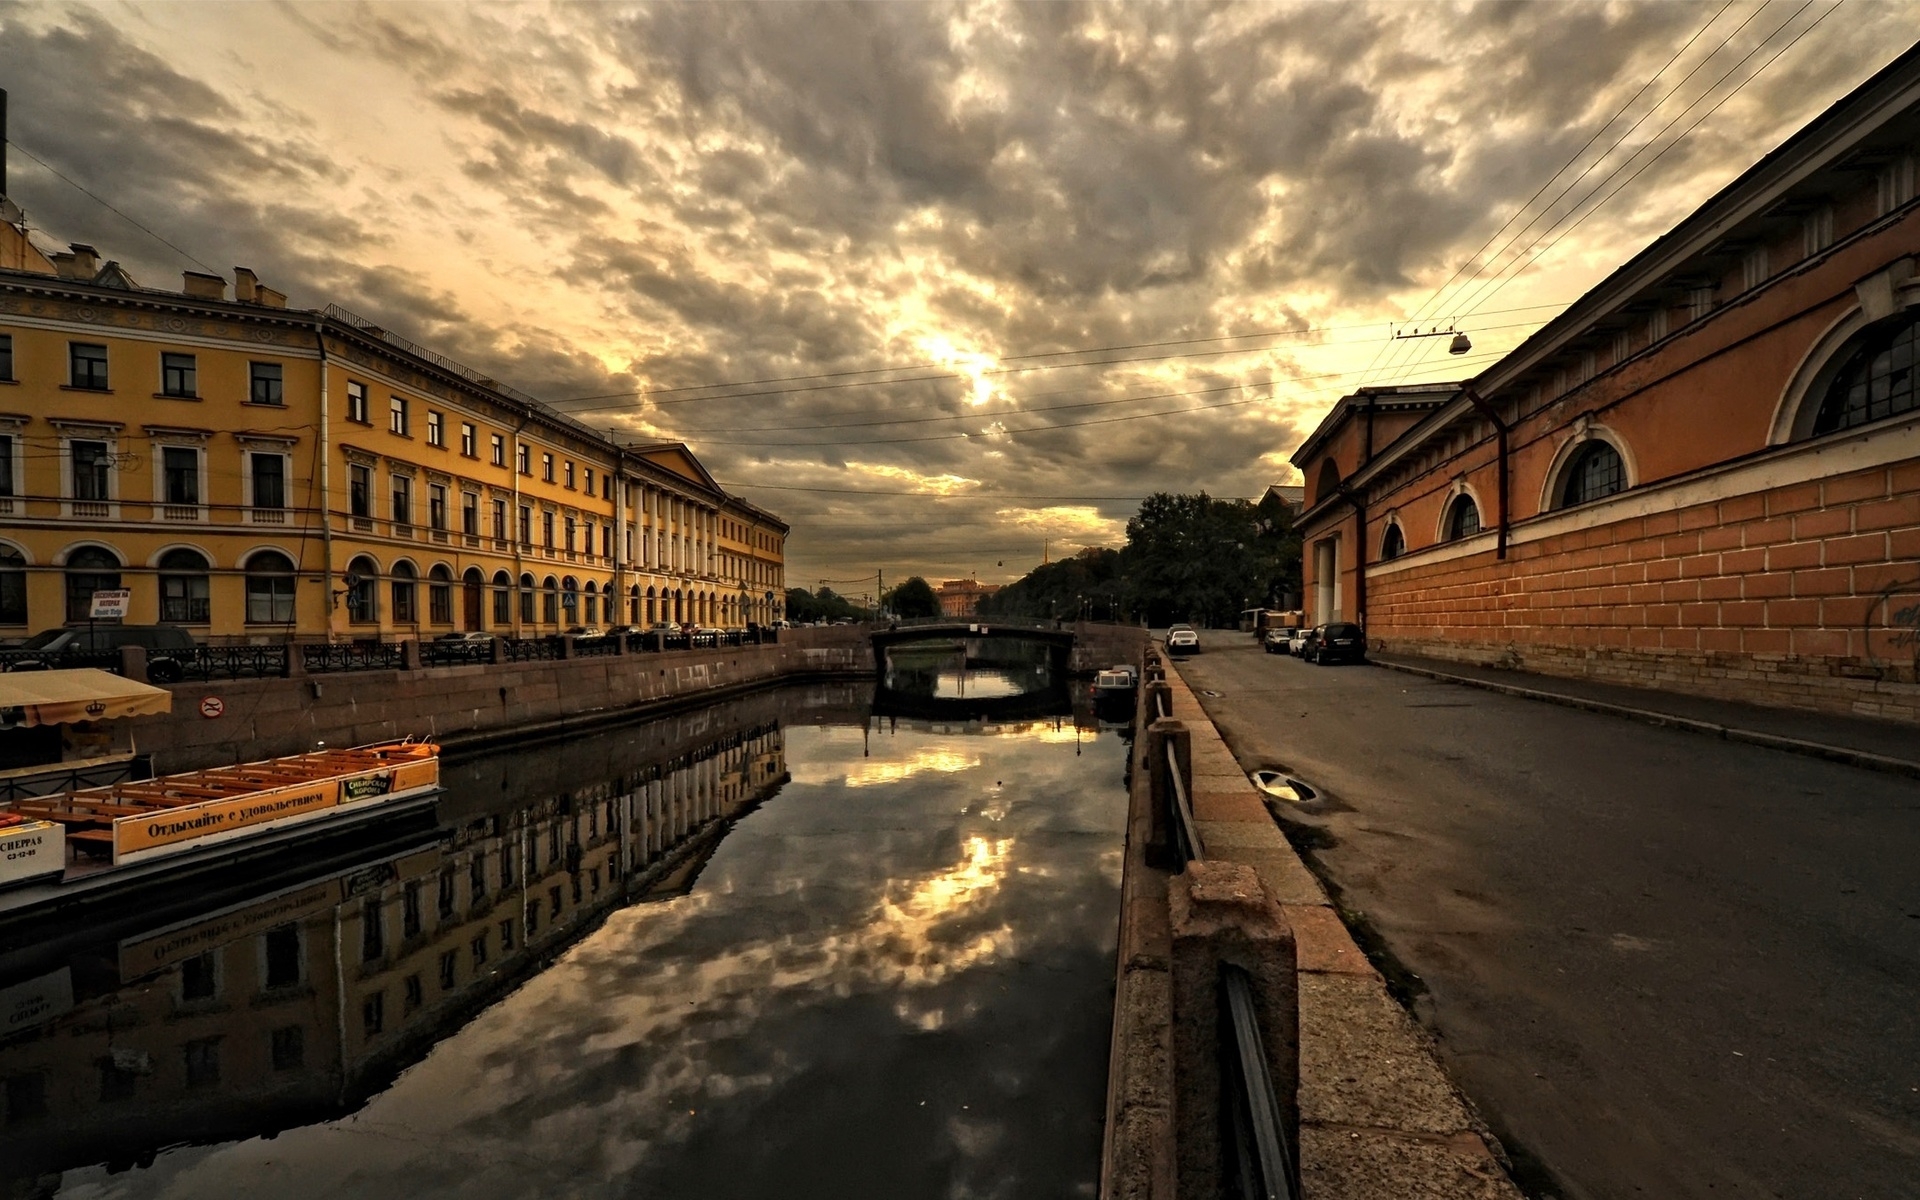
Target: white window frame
{"points": [[164, 511], [436, 428], [67, 500], [255, 514]]}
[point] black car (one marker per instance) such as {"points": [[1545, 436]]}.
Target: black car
{"points": [[1337, 642], [168, 648]]}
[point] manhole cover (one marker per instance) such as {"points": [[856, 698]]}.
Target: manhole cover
{"points": [[1209, 692], [1282, 786]]}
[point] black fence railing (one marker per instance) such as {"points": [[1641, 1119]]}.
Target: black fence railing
{"points": [[533, 649], [353, 656], [43, 660], [465, 652], [223, 662]]}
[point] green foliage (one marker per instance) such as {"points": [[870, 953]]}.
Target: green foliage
{"points": [[913, 598], [804, 607], [1196, 558], [1089, 583]]}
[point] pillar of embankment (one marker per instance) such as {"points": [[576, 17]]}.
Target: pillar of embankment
{"points": [[1162, 844], [1223, 919]]}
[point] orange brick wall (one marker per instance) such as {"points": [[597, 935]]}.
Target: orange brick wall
{"points": [[1791, 597]]}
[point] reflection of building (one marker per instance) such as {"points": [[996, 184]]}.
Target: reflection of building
{"points": [[961, 597], [1703, 475], [294, 1008], [252, 471]]}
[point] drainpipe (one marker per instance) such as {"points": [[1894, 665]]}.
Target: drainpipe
{"points": [[326, 475], [513, 528], [1500, 433]]}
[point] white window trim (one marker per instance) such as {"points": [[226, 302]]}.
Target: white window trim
{"points": [[17, 453], [163, 510], [1459, 488], [247, 454], [67, 501], [1584, 431]]}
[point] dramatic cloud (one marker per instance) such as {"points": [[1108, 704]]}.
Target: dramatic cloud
{"points": [[609, 206]]}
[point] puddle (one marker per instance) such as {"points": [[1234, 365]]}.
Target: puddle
{"points": [[1282, 786]]}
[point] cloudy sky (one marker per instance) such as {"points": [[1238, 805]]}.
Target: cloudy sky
{"points": [[936, 282]]}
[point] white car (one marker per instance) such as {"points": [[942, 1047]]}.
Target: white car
{"points": [[1181, 639], [1297, 642]]}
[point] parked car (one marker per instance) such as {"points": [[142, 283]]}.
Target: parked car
{"points": [[1338, 642], [1181, 640], [168, 648], [469, 635], [1297, 642], [1276, 641]]}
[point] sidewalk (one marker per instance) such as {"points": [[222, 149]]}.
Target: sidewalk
{"points": [[1857, 741]]}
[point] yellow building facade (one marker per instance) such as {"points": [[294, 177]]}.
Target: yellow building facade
{"points": [[258, 473]]}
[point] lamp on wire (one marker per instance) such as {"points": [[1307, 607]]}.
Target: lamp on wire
{"points": [[1460, 344]]}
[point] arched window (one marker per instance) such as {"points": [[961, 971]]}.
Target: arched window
{"points": [[269, 589], [183, 587], [633, 605], [363, 595], [440, 595], [526, 599], [1876, 382], [90, 569], [593, 603], [1595, 471], [1463, 518], [405, 594], [13, 587], [570, 601], [502, 598], [550, 601], [1393, 543]]}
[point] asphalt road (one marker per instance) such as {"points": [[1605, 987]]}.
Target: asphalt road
{"points": [[1661, 964]]}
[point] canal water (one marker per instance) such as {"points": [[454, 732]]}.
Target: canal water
{"points": [[782, 946]]}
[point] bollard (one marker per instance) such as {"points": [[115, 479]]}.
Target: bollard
{"points": [[410, 654], [296, 664], [133, 663], [499, 648], [566, 645], [1223, 915], [1162, 849], [1158, 698]]}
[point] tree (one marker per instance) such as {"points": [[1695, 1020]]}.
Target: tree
{"points": [[913, 598], [804, 606], [1088, 583], [1195, 558]]}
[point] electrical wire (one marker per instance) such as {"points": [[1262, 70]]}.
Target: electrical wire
{"points": [[55, 171]]}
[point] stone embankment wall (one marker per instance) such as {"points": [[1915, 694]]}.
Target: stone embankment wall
{"points": [[1097, 647], [465, 705]]}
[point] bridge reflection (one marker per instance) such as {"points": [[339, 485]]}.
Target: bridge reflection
{"points": [[961, 679]]}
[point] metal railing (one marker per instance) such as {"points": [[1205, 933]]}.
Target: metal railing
{"points": [[353, 656], [456, 654], [229, 662]]}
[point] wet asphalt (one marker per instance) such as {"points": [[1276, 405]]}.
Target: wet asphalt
{"points": [[1660, 964]]}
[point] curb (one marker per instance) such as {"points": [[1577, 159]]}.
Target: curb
{"points": [[1732, 733]]}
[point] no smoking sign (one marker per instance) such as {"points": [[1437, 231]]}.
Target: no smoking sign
{"points": [[212, 707]]}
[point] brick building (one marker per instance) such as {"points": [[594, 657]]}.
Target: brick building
{"points": [[1704, 475], [962, 597]]}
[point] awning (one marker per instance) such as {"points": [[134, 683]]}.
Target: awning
{"points": [[82, 694]]}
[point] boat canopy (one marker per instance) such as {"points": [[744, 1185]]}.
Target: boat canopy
{"points": [[81, 694]]}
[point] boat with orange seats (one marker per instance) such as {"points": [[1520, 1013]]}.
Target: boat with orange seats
{"points": [[93, 834]]}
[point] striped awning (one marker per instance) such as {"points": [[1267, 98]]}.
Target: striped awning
{"points": [[82, 694]]}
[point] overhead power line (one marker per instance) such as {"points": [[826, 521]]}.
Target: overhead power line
{"points": [[56, 172]]}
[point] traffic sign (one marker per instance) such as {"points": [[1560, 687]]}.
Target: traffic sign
{"points": [[212, 707]]}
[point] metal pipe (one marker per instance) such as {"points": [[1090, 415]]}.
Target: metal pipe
{"points": [[1264, 1158], [1500, 459], [326, 474]]}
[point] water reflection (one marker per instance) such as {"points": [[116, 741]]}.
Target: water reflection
{"points": [[893, 981], [980, 678]]}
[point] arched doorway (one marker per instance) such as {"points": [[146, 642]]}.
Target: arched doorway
{"points": [[472, 592]]}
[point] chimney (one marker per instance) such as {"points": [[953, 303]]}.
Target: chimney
{"points": [[271, 297], [245, 286], [203, 286]]}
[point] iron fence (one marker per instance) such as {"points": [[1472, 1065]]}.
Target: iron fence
{"points": [[456, 654], [353, 656], [227, 662]]}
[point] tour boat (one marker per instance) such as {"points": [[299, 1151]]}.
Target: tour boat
{"points": [[1115, 685], [90, 834]]}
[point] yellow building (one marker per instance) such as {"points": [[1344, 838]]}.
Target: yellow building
{"points": [[258, 473]]}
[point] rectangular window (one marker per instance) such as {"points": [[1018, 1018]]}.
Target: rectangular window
{"points": [[415, 993], [197, 977], [179, 376], [449, 962], [569, 470], [402, 500], [410, 916], [1816, 230], [373, 1013], [497, 445], [606, 541], [283, 956], [506, 936], [1753, 268], [586, 480], [181, 470], [357, 403], [1699, 302], [397, 416], [360, 490], [373, 932], [500, 520], [553, 902], [436, 428], [570, 528], [1622, 349], [90, 470], [506, 867], [479, 947], [203, 1062], [546, 530], [446, 894], [266, 383], [1656, 325], [469, 439], [87, 364], [289, 1048], [6, 357], [477, 875], [606, 487], [269, 480], [1895, 185], [546, 467], [525, 458], [437, 505], [470, 514], [526, 525]]}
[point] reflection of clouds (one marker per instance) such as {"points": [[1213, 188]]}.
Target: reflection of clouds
{"points": [[874, 774], [848, 952]]}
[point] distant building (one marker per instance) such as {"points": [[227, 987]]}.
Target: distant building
{"points": [[258, 473], [1293, 495], [1704, 475], [961, 597]]}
